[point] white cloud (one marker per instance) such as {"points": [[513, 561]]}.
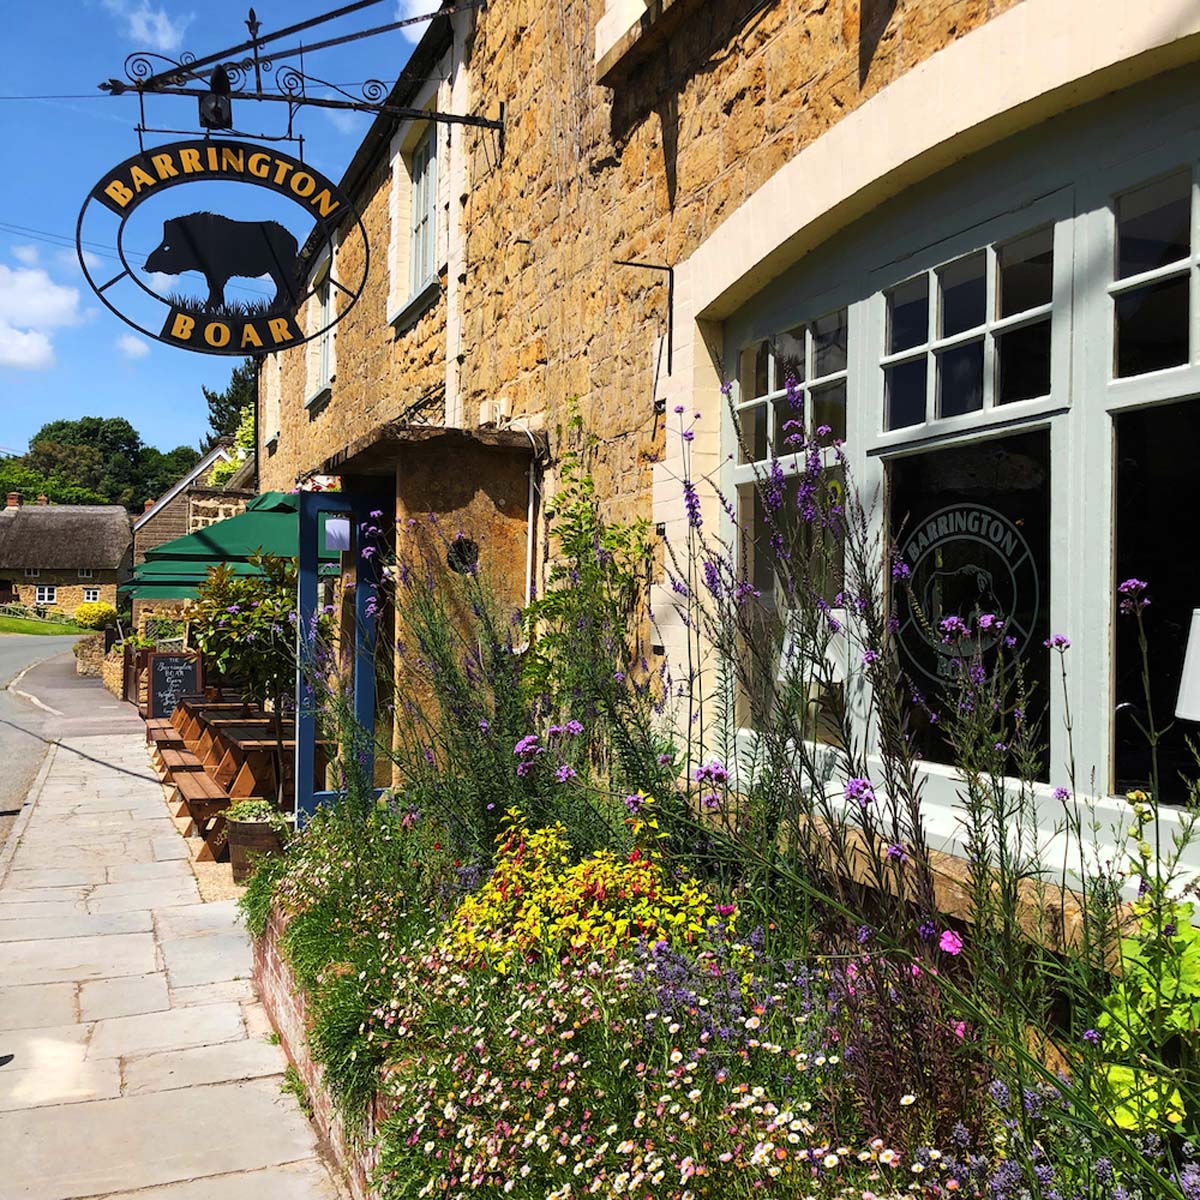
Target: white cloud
{"points": [[132, 347], [69, 260], [160, 284], [413, 8], [345, 122], [28, 349], [32, 305], [26, 254], [150, 28]]}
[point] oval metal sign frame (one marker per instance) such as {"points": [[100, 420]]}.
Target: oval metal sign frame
{"points": [[123, 189]]}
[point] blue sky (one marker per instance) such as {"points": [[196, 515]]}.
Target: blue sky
{"points": [[62, 354]]}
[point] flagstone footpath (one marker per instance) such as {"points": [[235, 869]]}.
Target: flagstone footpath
{"points": [[140, 1060]]}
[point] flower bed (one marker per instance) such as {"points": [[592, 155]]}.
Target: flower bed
{"points": [[287, 1008]]}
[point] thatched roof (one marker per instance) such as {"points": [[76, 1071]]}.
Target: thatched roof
{"points": [[64, 536]]}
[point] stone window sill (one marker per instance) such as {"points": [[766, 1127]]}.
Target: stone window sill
{"points": [[322, 395], [407, 315], [628, 31]]}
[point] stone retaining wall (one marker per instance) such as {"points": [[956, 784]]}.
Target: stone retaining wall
{"points": [[89, 655], [112, 672], [287, 1007]]}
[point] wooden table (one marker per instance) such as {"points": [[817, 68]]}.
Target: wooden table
{"points": [[207, 746], [246, 762], [189, 717]]}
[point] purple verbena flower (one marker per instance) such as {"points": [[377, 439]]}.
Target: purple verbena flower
{"points": [[860, 791]]}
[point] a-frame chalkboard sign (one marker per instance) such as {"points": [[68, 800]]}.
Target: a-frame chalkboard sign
{"points": [[170, 677]]}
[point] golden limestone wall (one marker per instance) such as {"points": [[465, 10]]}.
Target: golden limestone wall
{"points": [[69, 589], [644, 169], [377, 374]]}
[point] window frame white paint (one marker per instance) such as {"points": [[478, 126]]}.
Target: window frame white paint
{"points": [[46, 593], [407, 296], [423, 208], [321, 351], [983, 205], [86, 573], [91, 595]]}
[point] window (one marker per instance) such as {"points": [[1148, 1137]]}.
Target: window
{"points": [[321, 363], [46, 594], [91, 595], [790, 387], [970, 335], [1020, 358], [972, 523], [1153, 276], [87, 573], [423, 213], [32, 572]]}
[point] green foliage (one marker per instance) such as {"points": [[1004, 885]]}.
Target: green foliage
{"points": [[226, 407], [243, 439], [260, 812], [293, 1085], [260, 892], [94, 460], [246, 626], [94, 614]]}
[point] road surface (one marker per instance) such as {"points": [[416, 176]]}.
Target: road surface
{"points": [[44, 668]]}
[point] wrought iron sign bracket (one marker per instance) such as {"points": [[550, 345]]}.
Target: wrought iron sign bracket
{"points": [[227, 74]]}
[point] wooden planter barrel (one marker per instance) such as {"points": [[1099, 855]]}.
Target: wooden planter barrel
{"points": [[249, 840]]}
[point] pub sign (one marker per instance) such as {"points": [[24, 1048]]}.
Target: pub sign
{"points": [[194, 275]]}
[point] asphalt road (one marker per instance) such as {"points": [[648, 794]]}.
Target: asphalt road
{"points": [[70, 707]]}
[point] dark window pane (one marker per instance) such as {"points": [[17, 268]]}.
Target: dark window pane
{"points": [[972, 523], [1158, 512], [1154, 225], [829, 344], [1026, 268], [964, 294], [789, 424], [789, 356], [1152, 327], [960, 380], [906, 394], [753, 376], [753, 428], [829, 408], [908, 315], [1024, 363]]}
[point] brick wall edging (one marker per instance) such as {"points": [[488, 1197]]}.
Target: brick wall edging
{"points": [[287, 1007]]}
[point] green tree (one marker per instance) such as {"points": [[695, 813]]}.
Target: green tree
{"points": [[100, 460], [225, 407]]}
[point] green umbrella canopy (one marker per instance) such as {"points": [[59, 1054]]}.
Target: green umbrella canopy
{"points": [[269, 525]]}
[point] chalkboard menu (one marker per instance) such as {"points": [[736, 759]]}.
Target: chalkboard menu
{"points": [[171, 677]]}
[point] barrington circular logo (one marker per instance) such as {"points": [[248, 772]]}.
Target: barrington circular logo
{"points": [[216, 283], [965, 560]]}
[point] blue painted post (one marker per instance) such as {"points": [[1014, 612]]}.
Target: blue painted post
{"points": [[357, 507]]}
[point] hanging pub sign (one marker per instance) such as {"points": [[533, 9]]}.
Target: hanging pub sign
{"points": [[221, 245]]}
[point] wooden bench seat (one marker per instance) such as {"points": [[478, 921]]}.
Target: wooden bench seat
{"points": [[176, 759]]}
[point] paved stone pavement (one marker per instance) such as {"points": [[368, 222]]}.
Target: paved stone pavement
{"points": [[140, 1060]]}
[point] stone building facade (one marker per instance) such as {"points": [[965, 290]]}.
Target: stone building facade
{"points": [[58, 556], [687, 187]]}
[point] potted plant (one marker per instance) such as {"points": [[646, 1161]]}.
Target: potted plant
{"points": [[256, 828]]}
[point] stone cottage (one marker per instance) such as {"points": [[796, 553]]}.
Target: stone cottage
{"points": [[58, 556], [967, 228]]}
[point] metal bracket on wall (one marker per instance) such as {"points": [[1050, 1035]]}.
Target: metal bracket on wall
{"points": [[670, 273], [237, 66]]}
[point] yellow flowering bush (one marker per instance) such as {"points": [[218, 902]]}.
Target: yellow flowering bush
{"points": [[537, 904]]}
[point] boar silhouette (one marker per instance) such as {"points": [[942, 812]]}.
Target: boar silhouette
{"points": [[220, 248]]}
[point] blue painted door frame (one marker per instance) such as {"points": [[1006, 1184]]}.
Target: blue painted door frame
{"points": [[357, 505]]}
